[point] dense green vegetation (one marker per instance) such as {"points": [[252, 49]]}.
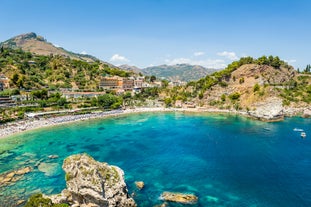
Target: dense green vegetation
{"points": [[37, 200], [28, 71], [297, 91], [107, 101]]}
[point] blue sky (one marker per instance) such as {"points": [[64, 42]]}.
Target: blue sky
{"points": [[211, 33]]}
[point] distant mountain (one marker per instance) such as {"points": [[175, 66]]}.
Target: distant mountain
{"points": [[31, 42], [183, 72], [130, 68]]}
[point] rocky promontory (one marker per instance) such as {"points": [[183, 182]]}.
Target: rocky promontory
{"points": [[269, 110], [93, 183]]}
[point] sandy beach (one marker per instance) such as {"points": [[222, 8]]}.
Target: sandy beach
{"points": [[15, 127]]}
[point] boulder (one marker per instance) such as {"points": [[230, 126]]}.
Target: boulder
{"points": [[306, 113], [92, 183], [179, 197]]}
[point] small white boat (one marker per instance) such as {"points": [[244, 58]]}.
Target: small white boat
{"points": [[298, 130], [303, 134]]}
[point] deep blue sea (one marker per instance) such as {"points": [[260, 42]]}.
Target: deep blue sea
{"points": [[225, 160]]}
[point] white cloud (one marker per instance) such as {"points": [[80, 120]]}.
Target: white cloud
{"points": [[83, 53], [291, 61], [119, 59], [198, 53], [229, 55], [208, 63], [56, 45]]}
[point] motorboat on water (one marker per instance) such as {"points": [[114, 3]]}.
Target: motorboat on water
{"points": [[303, 134], [298, 130]]}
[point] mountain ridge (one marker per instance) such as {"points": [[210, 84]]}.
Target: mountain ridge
{"points": [[37, 44], [183, 72]]}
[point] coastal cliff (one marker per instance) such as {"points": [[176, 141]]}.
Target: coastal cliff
{"points": [[92, 183]]}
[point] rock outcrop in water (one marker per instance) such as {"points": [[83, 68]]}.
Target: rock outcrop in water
{"points": [[140, 184], [179, 198], [11, 177], [92, 183]]}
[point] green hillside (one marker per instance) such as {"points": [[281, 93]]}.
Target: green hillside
{"points": [[246, 84], [30, 71]]}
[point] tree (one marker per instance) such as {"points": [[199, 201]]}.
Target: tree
{"points": [[234, 96], [61, 101], [307, 70], [40, 94], [201, 95], [263, 60], [109, 101], [276, 62], [164, 83], [15, 78], [246, 60], [168, 102], [152, 78], [270, 58]]}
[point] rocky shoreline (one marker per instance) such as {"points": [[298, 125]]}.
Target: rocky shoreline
{"points": [[273, 111]]}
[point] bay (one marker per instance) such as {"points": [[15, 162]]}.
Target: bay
{"points": [[225, 160]]}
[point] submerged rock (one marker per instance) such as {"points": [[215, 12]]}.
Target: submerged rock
{"points": [[161, 205], [53, 156], [49, 169], [23, 171], [13, 176], [140, 184], [92, 183], [179, 197]]}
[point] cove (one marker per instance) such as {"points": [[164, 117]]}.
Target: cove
{"points": [[225, 160]]}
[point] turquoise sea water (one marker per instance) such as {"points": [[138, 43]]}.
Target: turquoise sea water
{"points": [[224, 160]]}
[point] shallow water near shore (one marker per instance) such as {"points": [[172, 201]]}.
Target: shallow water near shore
{"points": [[225, 160]]}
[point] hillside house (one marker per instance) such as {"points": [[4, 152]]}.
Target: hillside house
{"points": [[111, 83], [178, 104], [128, 84]]}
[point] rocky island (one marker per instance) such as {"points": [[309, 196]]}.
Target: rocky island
{"points": [[92, 183]]}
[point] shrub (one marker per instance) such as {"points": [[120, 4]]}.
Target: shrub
{"points": [[223, 97], [241, 80], [234, 96], [256, 87], [37, 200]]}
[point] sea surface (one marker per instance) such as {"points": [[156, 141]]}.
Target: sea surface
{"points": [[225, 160]]}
